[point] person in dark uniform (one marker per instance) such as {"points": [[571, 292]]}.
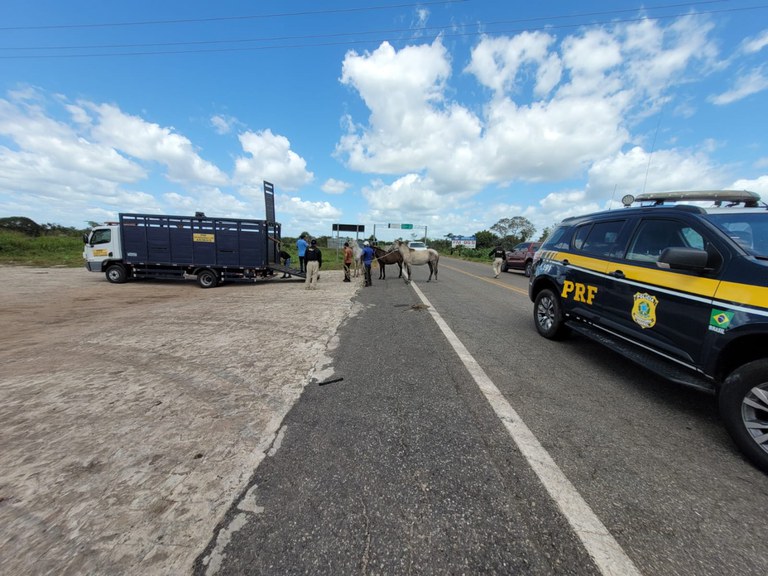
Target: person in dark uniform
{"points": [[314, 259], [498, 255]]}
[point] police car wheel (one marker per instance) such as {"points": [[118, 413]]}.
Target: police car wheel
{"points": [[548, 315], [744, 409]]}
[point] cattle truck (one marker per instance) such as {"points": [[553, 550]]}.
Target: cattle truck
{"points": [[209, 250]]}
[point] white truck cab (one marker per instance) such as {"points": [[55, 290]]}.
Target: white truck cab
{"points": [[102, 245]]}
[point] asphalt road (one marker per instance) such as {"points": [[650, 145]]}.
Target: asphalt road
{"points": [[396, 462]]}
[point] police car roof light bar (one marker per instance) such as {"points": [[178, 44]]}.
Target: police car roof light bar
{"points": [[750, 199]]}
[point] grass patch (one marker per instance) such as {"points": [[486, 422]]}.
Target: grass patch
{"points": [[23, 250]]}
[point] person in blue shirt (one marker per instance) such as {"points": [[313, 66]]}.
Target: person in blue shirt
{"points": [[301, 247], [368, 256]]}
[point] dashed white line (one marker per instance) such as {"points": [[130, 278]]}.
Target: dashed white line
{"points": [[607, 554]]}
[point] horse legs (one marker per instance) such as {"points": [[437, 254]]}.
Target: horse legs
{"points": [[400, 266], [382, 270]]}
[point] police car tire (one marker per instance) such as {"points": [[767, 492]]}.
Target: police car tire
{"points": [[735, 390], [548, 315]]}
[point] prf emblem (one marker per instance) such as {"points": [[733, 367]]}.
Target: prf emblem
{"points": [[578, 292], [644, 310]]}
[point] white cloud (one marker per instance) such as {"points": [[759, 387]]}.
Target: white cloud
{"points": [[411, 125], [152, 142], [747, 85], [638, 171], [96, 160], [224, 124], [497, 62], [756, 44], [759, 185], [333, 186], [270, 158], [582, 94]]}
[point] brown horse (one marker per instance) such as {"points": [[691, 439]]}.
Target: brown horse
{"points": [[384, 258], [418, 257]]}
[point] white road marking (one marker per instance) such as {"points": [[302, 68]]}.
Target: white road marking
{"points": [[609, 557]]}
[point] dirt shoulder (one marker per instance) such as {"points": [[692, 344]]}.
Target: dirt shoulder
{"points": [[134, 414]]}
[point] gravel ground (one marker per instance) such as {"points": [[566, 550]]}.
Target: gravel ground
{"points": [[132, 415]]}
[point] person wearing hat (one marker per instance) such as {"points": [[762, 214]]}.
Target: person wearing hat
{"points": [[314, 260], [368, 256]]}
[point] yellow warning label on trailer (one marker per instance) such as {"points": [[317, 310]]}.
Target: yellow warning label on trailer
{"points": [[203, 238]]}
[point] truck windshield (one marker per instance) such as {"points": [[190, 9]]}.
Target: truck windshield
{"points": [[749, 230], [101, 236]]}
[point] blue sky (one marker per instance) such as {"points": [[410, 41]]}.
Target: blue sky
{"points": [[449, 115]]}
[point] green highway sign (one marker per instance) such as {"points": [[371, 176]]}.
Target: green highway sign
{"points": [[406, 226]]}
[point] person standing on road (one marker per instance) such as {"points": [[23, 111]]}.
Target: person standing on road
{"points": [[368, 256], [314, 260], [301, 247], [286, 258], [347, 261], [498, 255]]}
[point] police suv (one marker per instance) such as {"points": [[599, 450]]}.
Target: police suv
{"points": [[677, 282]]}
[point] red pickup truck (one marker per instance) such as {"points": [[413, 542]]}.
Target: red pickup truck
{"points": [[521, 257]]}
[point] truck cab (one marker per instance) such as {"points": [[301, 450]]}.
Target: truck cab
{"points": [[102, 246]]}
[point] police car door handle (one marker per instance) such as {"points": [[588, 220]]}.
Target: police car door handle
{"points": [[617, 274]]}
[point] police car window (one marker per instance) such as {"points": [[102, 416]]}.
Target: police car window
{"points": [[580, 236], [557, 240], [601, 239], [749, 230], [653, 236]]}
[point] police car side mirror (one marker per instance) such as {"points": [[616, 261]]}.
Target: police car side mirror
{"points": [[678, 258]]}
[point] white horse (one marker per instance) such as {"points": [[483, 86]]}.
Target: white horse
{"points": [[417, 258], [357, 258]]}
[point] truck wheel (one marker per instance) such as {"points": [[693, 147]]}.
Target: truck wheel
{"points": [[744, 409], [548, 315], [116, 273], [207, 279], [528, 268]]}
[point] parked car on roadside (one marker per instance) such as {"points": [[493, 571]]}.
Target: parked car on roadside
{"points": [[417, 246], [521, 257], [676, 286]]}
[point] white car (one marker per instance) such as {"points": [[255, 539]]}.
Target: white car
{"points": [[417, 246]]}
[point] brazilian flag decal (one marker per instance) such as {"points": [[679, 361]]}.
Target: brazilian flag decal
{"points": [[720, 320]]}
